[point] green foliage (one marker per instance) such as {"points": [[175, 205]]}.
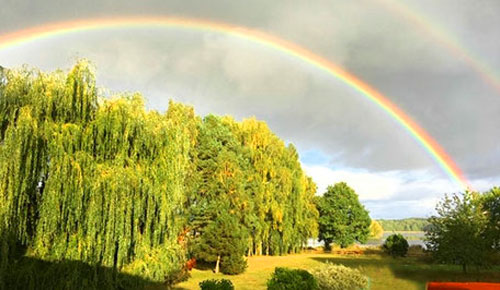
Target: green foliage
{"points": [[291, 279], [225, 239], [459, 234], [282, 196], [396, 245], [234, 264], [246, 169], [342, 218], [376, 230], [490, 203], [222, 284], [408, 224], [89, 179], [339, 277]]}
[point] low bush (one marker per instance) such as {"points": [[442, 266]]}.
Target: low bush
{"points": [[338, 277], [232, 265], [291, 279], [396, 245], [222, 284]]}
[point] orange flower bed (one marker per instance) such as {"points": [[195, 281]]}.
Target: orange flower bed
{"points": [[462, 286]]}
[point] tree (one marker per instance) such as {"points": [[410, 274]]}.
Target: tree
{"points": [[342, 218], [376, 230], [223, 239], [90, 179], [490, 202], [219, 190], [457, 234]]}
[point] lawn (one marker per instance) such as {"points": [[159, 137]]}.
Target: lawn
{"points": [[384, 272]]}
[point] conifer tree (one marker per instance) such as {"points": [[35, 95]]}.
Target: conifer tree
{"points": [[223, 241]]}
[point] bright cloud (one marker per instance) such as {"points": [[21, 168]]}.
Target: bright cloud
{"points": [[386, 193]]}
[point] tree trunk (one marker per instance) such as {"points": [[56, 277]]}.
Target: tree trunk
{"points": [[216, 270], [464, 268], [327, 246]]}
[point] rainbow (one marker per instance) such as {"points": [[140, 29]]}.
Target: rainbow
{"points": [[487, 74], [417, 132]]}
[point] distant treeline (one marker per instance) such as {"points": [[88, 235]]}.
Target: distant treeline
{"points": [[408, 224]]}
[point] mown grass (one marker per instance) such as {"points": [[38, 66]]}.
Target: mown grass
{"points": [[384, 272]]}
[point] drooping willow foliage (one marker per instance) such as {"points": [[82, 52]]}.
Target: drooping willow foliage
{"points": [[105, 182], [90, 179]]}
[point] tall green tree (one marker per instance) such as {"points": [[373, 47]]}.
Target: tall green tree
{"points": [[223, 241], [490, 202], [90, 179], [284, 215], [458, 234], [220, 175], [342, 218]]}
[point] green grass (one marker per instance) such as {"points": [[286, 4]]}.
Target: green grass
{"points": [[384, 272]]}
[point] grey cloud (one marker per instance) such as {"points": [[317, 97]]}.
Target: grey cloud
{"points": [[221, 74]]}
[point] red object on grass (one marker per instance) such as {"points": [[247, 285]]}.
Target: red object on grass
{"points": [[462, 286]]}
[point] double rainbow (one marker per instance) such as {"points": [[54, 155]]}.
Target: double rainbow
{"points": [[446, 39], [417, 132]]}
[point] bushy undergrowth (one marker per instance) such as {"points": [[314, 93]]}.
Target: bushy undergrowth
{"points": [[291, 279], [396, 245], [233, 265], [339, 277], [222, 284]]}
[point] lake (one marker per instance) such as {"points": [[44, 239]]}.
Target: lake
{"points": [[413, 238]]}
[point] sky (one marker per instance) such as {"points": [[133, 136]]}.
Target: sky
{"points": [[405, 49]]}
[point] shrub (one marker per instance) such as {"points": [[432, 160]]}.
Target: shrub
{"points": [[232, 265], [291, 279], [338, 277], [396, 245], [222, 284]]}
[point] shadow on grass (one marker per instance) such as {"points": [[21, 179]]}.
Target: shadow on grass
{"points": [[32, 273], [202, 265], [415, 270]]}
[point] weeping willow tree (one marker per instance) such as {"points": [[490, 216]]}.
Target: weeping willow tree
{"points": [[91, 179]]}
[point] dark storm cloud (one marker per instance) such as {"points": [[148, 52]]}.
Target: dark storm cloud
{"points": [[225, 75]]}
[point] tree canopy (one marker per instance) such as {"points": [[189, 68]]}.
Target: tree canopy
{"points": [[342, 218], [490, 202], [459, 234]]}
